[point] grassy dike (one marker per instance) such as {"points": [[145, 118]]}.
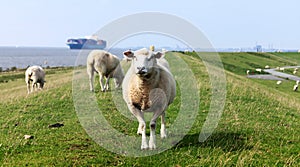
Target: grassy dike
{"points": [[259, 125]]}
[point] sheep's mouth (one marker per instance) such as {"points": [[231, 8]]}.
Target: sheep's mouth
{"points": [[141, 73], [144, 75]]}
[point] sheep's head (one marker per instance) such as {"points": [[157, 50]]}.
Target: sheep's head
{"points": [[143, 61], [41, 83]]}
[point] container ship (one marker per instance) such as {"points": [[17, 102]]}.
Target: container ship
{"points": [[88, 42]]}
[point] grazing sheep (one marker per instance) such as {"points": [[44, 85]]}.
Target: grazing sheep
{"points": [[36, 75], [278, 82], [106, 65], [267, 67], [258, 70], [296, 69], [281, 68], [294, 72], [148, 87], [295, 87]]}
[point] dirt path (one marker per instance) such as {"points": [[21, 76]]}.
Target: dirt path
{"points": [[283, 75]]}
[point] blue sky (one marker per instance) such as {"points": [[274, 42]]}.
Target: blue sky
{"points": [[230, 23]]}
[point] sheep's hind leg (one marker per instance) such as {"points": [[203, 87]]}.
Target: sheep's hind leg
{"points": [[106, 86], [28, 88], [101, 83], [33, 87]]}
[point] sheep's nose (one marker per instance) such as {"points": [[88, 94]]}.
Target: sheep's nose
{"points": [[141, 70]]}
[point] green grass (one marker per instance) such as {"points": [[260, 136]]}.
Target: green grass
{"points": [[259, 125]]}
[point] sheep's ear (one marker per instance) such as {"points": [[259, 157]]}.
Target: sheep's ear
{"points": [[159, 55], [128, 54]]}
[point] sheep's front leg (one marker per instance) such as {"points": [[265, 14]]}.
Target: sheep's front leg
{"points": [[144, 144], [91, 79], [142, 125], [152, 139], [142, 130]]}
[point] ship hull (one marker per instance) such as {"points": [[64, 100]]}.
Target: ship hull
{"points": [[85, 43], [79, 46]]}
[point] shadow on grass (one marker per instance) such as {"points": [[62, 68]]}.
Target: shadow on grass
{"points": [[225, 141]]}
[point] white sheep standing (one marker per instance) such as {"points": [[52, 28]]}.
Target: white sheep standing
{"points": [[248, 71], [148, 87], [296, 86], [107, 66], [36, 76]]}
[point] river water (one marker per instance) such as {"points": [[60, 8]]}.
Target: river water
{"points": [[22, 57]]}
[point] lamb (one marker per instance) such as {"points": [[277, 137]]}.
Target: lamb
{"points": [[148, 87], [106, 65], [36, 75]]}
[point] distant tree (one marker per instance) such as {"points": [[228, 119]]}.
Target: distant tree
{"points": [[14, 68]]}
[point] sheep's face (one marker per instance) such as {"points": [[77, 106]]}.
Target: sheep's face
{"points": [[41, 84], [143, 61]]}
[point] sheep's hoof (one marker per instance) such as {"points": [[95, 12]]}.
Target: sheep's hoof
{"points": [[139, 132], [152, 146], [144, 147], [163, 136]]}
